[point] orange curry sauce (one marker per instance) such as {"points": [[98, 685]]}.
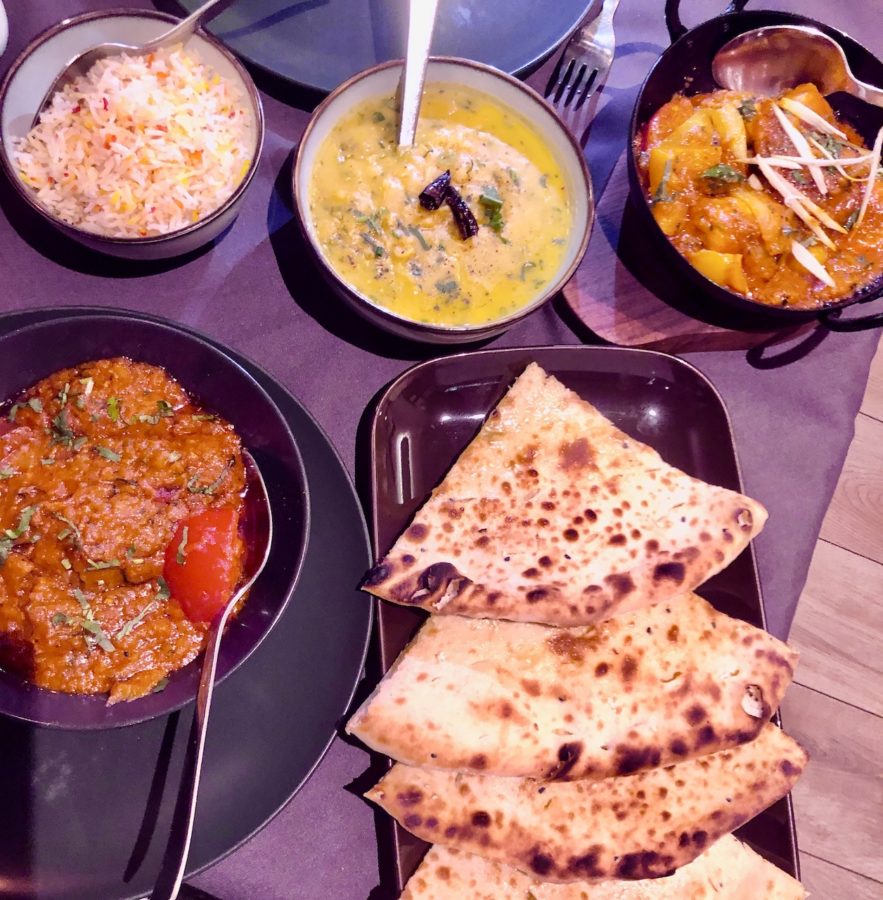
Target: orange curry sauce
{"points": [[98, 465], [736, 229]]}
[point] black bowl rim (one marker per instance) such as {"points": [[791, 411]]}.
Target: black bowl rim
{"points": [[80, 233], [303, 497], [793, 315], [400, 323]]}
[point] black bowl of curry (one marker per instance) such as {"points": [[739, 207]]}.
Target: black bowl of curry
{"points": [[770, 206], [126, 517]]}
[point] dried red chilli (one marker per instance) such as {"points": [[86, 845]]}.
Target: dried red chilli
{"points": [[462, 213], [442, 191], [433, 195]]}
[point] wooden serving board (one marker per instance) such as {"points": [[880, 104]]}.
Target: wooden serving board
{"points": [[623, 294]]}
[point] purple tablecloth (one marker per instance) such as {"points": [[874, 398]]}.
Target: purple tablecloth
{"points": [[257, 292]]}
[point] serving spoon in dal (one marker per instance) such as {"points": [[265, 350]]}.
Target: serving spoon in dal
{"points": [[259, 520], [767, 61], [84, 61], [421, 21]]}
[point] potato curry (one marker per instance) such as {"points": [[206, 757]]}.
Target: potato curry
{"points": [[120, 502], [773, 198]]}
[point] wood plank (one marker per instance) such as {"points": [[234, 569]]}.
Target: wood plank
{"points": [[838, 628], [823, 879], [839, 799], [855, 517], [872, 405]]}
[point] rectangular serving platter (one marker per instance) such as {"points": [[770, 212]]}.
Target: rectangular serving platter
{"points": [[427, 416]]}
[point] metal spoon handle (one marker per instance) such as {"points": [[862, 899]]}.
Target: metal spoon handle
{"points": [[867, 92], [421, 20], [184, 28], [169, 882]]}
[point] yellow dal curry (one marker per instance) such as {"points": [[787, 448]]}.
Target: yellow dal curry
{"points": [[364, 205]]}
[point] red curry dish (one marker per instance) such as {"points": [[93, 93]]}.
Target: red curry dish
{"points": [[773, 198], [120, 502]]}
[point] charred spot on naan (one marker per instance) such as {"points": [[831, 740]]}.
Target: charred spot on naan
{"points": [[575, 455]]}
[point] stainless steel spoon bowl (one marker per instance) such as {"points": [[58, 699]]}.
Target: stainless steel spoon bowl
{"points": [[84, 61], [767, 61], [178, 848]]}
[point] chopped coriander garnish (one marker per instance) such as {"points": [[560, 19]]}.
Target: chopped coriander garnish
{"points": [[61, 430], [65, 563], [723, 174], [81, 401], [24, 522], [195, 488], [62, 394], [513, 177], [376, 248], [88, 384], [107, 453], [181, 556], [661, 194], [79, 442], [525, 267], [491, 198], [160, 686], [13, 411], [113, 408], [162, 589], [748, 108], [419, 235], [35, 404], [70, 531], [92, 564], [205, 417], [851, 219], [6, 473], [136, 620], [47, 461], [799, 177], [377, 116], [449, 286], [98, 635]]}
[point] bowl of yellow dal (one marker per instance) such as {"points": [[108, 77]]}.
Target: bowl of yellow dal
{"points": [[410, 269]]}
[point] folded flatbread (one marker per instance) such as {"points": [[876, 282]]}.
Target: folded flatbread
{"points": [[728, 870], [552, 514], [640, 826], [644, 689]]}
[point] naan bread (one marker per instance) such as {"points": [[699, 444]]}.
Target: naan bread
{"points": [[553, 515], [644, 689], [641, 826], [728, 870]]}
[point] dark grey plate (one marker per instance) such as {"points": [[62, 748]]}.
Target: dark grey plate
{"points": [[427, 417], [320, 43], [85, 815]]}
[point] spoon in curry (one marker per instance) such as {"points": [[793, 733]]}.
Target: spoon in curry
{"points": [[767, 61], [261, 527], [84, 61]]}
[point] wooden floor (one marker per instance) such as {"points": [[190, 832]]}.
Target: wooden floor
{"points": [[835, 707]]}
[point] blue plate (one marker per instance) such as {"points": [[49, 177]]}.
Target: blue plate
{"points": [[320, 43]]}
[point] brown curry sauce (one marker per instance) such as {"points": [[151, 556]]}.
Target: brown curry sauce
{"points": [[98, 465]]}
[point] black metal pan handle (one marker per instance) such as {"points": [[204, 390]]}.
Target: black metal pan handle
{"points": [[831, 319], [676, 28]]}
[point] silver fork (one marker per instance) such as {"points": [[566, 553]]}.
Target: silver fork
{"points": [[582, 69]]}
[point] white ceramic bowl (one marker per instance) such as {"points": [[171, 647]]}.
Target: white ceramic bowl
{"points": [[32, 74], [382, 80]]}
